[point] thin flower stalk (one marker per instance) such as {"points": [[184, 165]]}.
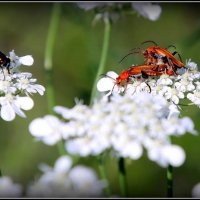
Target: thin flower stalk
{"points": [[170, 181], [103, 175], [122, 177], [103, 58], [48, 63], [50, 43]]}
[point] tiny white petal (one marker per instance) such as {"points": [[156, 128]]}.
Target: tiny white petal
{"points": [[173, 111], [112, 74], [52, 140], [174, 154], [188, 124], [40, 127], [17, 109], [7, 112], [191, 65], [63, 164], [133, 150], [105, 84], [26, 60], [26, 103]]}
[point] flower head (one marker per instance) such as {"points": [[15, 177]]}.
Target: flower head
{"points": [[126, 124], [8, 188], [16, 87], [196, 191], [63, 180], [173, 88], [147, 10], [113, 10]]}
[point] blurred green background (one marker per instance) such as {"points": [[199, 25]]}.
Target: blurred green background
{"points": [[24, 28]]}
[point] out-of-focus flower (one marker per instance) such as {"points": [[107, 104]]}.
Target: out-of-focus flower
{"points": [[16, 88], [126, 124], [147, 10], [48, 129], [113, 10], [63, 180], [8, 188], [196, 191]]}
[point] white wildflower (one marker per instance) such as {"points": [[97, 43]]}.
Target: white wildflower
{"points": [[126, 124], [173, 88], [147, 10], [48, 129], [196, 191], [15, 87], [8, 188], [112, 10], [12, 105], [64, 181]]}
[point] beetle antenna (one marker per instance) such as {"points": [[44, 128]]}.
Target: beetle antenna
{"points": [[105, 75], [125, 56], [149, 41], [131, 52], [171, 46]]}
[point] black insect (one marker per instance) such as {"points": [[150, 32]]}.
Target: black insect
{"points": [[4, 62]]}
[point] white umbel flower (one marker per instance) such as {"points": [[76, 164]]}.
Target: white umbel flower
{"points": [[16, 87], [173, 88], [196, 191], [12, 105], [63, 180], [126, 124], [113, 10], [148, 10], [8, 188], [47, 129]]}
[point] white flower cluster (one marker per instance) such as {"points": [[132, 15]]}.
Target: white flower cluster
{"points": [[196, 190], [112, 10], [65, 181], [16, 87], [173, 88], [8, 188], [127, 124], [62, 180]]}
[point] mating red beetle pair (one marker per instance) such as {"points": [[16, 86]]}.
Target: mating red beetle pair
{"points": [[158, 61]]}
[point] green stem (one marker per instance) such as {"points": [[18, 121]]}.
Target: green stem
{"points": [[49, 54], [101, 67], [48, 66], [103, 174], [170, 181], [122, 177], [61, 148], [103, 58], [0, 173]]}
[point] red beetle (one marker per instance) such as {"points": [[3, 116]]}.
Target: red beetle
{"points": [[139, 71], [155, 55]]}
